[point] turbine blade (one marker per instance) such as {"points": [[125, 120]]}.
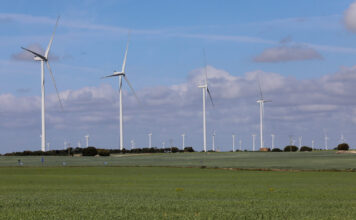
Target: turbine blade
{"points": [[125, 57], [133, 91], [55, 85], [34, 53], [206, 68], [51, 40], [211, 98], [113, 75]]}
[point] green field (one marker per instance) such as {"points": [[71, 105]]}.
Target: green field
{"points": [[174, 193], [161, 186], [318, 160]]}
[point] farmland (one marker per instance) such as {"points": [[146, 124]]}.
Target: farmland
{"points": [[173, 193], [177, 186], [318, 160]]}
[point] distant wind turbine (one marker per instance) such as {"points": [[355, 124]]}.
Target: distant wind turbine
{"points": [[183, 141], [342, 138], [205, 90], [273, 136], [300, 142], [313, 143], [326, 138], [121, 75], [261, 102], [150, 140], [240, 143], [213, 141], [87, 139], [253, 142], [233, 143], [44, 59]]}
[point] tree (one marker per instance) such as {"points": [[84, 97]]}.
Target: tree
{"points": [[89, 151], [306, 148], [290, 148], [343, 146]]}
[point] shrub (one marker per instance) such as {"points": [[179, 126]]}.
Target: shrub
{"points": [[89, 151], [174, 149], [188, 149], [290, 148], [103, 152], [343, 146], [276, 150], [306, 148]]}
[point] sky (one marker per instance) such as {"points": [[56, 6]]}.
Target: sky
{"points": [[302, 52]]}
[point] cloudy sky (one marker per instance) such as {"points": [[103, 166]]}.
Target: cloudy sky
{"points": [[303, 52]]}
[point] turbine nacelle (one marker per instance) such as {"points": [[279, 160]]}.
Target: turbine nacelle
{"points": [[203, 86]]}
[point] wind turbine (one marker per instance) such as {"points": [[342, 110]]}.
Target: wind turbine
{"points": [[44, 59], [273, 136], [48, 144], [300, 142], [121, 75], [233, 143], [183, 141], [132, 144], [87, 139], [205, 90], [313, 143], [261, 102], [253, 142], [326, 138], [213, 143], [150, 140], [342, 138], [240, 143]]}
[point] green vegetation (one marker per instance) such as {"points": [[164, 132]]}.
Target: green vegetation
{"points": [[173, 193], [316, 160]]}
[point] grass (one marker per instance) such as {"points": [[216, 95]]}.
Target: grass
{"points": [[173, 193], [318, 160]]}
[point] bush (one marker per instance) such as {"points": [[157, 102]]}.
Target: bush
{"points": [[174, 149], [306, 148], [188, 149], [290, 148], [276, 150], [343, 146], [103, 152], [89, 151]]}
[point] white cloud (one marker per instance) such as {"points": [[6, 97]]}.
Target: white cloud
{"points": [[350, 17]]}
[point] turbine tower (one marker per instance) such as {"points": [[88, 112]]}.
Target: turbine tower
{"points": [[121, 75], [342, 138], [87, 139], [132, 144], [261, 102], [213, 143], [273, 136], [233, 143], [300, 142], [313, 143], [253, 142], [240, 143], [205, 90], [44, 59], [150, 140], [326, 138], [183, 141]]}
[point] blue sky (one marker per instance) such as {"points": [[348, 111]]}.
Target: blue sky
{"points": [[167, 39]]}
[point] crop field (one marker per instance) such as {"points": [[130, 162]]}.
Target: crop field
{"points": [[177, 186], [318, 160], [173, 193]]}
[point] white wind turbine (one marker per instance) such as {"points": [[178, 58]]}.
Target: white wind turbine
{"points": [[273, 136], [300, 142], [233, 143], [213, 143], [121, 75], [183, 141], [150, 140], [87, 139], [44, 59], [253, 142], [205, 90], [261, 102]]}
